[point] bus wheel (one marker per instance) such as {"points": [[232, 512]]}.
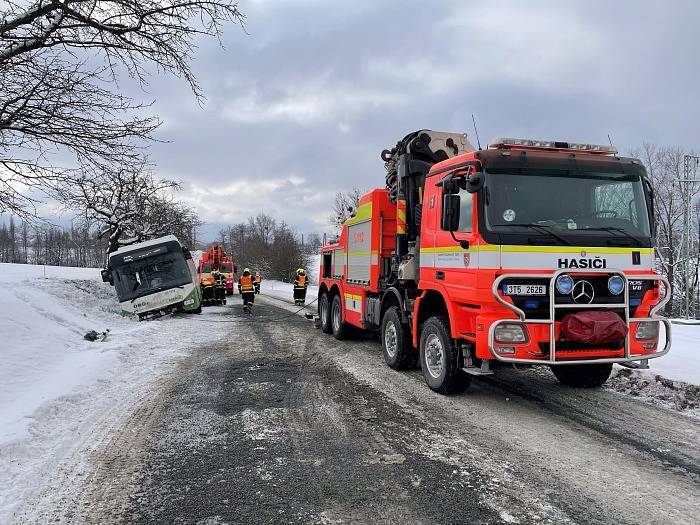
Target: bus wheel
{"points": [[324, 313], [340, 329], [583, 376], [197, 310], [396, 342], [439, 359]]}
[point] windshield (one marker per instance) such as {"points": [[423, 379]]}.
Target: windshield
{"points": [[139, 276], [226, 268], [206, 268], [576, 207]]}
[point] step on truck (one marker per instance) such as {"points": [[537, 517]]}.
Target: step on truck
{"points": [[528, 252]]}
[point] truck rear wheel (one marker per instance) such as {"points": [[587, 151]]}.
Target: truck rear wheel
{"points": [[583, 376], [324, 313], [339, 328], [396, 342], [439, 358]]}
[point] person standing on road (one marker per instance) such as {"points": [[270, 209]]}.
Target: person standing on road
{"points": [[247, 289], [256, 281], [300, 285]]}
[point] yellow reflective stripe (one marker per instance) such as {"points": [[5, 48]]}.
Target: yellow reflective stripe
{"points": [[353, 297], [537, 249], [363, 213], [574, 249], [401, 215], [363, 252], [448, 249]]}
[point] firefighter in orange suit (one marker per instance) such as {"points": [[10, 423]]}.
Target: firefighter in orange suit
{"points": [[256, 281], [300, 284], [246, 288]]}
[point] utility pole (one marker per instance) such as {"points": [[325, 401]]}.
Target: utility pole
{"points": [[688, 270]]}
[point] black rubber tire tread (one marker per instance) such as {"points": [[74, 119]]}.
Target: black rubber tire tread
{"points": [[583, 376], [405, 355], [197, 310], [327, 327], [454, 380], [342, 331]]}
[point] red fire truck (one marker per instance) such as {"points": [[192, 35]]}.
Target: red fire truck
{"points": [[528, 252], [216, 261]]}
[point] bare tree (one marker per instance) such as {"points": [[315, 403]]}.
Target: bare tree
{"points": [[129, 205], [59, 60], [664, 166], [345, 204]]}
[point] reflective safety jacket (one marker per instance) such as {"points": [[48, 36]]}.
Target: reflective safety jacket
{"points": [[245, 283], [301, 282], [258, 279]]}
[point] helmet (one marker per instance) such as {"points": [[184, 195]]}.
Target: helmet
{"points": [[246, 271], [300, 271]]}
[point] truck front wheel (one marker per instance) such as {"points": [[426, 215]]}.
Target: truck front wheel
{"points": [[324, 313], [396, 341], [439, 359], [583, 376], [339, 327]]}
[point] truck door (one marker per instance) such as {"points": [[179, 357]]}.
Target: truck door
{"points": [[455, 267]]}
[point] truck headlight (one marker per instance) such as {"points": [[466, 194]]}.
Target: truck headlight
{"points": [[564, 284], [647, 330], [616, 284], [510, 333]]}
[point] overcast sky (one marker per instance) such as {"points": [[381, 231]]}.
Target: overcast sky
{"points": [[301, 106]]}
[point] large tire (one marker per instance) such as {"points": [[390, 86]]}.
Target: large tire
{"points": [[197, 310], [338, 326], [324, 314], [396, 341], [439, 358], [583, 376]]}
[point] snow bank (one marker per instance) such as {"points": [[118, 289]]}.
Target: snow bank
{"points": [[56, 388], [682, 362], [43, 352]]}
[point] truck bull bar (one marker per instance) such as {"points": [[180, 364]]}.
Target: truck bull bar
{"points": [[553, 307]]}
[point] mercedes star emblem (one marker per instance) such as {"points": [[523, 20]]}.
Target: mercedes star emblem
{"points": [[583, 292]]}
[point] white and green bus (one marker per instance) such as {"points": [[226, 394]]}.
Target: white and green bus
{"points": [[154, 278]]}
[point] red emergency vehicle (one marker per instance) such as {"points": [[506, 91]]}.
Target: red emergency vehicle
{"points": [[216, 260], [529, 252]]}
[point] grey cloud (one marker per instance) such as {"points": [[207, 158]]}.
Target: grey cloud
{"points": [[317, 89]]}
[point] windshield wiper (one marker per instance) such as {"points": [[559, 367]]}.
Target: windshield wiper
{"points": [[619, 230], [542, 228]]}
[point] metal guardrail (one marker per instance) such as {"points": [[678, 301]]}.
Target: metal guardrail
{"points": [[552, 317]]}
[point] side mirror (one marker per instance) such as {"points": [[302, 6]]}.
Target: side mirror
{"points": [[452, 184], [475, 182], [450, 212], [107, 276]]}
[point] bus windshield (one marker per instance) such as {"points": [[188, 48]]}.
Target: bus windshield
{"points": [[576, 206], [150, 271]]}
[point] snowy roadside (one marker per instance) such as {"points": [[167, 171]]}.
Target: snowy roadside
{"points": [[56, 387]]}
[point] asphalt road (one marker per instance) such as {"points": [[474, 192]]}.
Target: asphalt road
{"points": [[279, 423]]}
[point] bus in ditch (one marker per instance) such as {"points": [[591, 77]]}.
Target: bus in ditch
{"points": [[154, 278]]}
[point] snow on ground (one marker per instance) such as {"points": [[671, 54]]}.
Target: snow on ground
{"points": [[285, 291], [682, 362], [54, 385]]}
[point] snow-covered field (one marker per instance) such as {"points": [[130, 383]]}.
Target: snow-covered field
{"points": [[54, 385]]}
